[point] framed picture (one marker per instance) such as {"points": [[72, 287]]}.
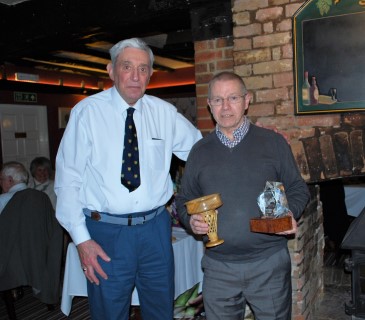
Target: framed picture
{"points": [[328, 56], [63, 116]]}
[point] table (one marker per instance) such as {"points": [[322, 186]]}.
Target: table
{"points": [[355, 199], [187, 254]]}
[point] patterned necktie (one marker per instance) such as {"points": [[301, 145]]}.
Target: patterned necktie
{"points": [[130, 168]]}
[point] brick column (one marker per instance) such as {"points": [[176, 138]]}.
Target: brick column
{"points": [[211, 57]]}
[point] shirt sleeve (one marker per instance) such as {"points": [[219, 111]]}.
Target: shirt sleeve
{"points": [[71, 162], [186, 136]]}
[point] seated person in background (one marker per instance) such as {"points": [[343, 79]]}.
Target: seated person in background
{"points": [[30, 239], [13, 178], [41, 171]]}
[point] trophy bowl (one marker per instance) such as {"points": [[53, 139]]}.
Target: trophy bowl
{"points": [[207, 207]]}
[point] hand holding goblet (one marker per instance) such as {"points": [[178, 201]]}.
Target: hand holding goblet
{"points": [[207, 207]]}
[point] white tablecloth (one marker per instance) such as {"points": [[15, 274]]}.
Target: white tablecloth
{"points": [[187, 253], [355, 199]]}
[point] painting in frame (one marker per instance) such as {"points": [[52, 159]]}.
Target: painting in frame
{"points": [[329, 46]]}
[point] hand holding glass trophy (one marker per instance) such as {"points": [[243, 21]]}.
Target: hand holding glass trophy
{"points": [[274, 210], [207, 207]]}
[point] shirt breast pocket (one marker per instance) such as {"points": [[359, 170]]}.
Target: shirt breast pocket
{"points": [[156, 154]]}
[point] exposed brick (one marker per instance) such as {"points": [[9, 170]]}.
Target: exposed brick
{"points": [[203, 78], [267, 14], [225, 65], [241, 18], [285, 107], [272, 95], [203, 113], [243, 71], [287, 51], [299, 133], [290, 9], [268, 27], [276, 53], [201, 101], [272, 40], [201, 67], [283, 79], [285, 25], [243, 5], [200, 45], [273, 67], [201, 90], [228, 53], [212, 67], [224, 42], [328, 120], [259, 82], [278, 2], [261, 110], [206, 56], [247, 31], [242, 44], [252, 56], [205, 124]]}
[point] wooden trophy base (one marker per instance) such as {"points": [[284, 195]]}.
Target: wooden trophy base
{"points": [[270, 225]]}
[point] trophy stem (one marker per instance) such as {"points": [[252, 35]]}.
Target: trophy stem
{"points": [[210, 217]]}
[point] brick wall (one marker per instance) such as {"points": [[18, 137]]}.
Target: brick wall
{"points": [[211, 56], [261, 51]]}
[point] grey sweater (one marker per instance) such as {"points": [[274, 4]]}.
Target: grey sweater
{"points": [[239, 175]]}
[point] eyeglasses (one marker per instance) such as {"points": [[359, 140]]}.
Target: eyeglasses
{"points": [[218, 101], [128, 68]]}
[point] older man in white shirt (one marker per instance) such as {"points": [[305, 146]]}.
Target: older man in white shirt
{"points": [[123, 235]]}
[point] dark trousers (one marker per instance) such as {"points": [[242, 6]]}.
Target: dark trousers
{"points": [[141, 256], [264, 284]]}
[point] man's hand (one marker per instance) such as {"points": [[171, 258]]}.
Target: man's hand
{"points": [[198, 225], [294, 228], [88, 253]]}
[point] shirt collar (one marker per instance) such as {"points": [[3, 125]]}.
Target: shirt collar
{"points": [[119, 101], [238, 134], [18, 187]]}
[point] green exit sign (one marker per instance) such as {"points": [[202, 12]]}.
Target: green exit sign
{"points": [[25, 97]]}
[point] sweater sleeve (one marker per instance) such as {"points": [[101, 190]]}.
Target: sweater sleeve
{"points": [[296, 189], [189, 188]]}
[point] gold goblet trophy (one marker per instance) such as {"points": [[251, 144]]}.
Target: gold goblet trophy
{"points": [[207, 207]]}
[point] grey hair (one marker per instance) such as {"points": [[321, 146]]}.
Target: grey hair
{"points": [[40, 162], [15, 170], [130, 43], [226, 75]]}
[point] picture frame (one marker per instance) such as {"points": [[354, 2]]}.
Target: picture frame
{"points": [[63, 116], [328, 45]]}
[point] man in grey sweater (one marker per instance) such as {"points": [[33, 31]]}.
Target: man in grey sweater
{"points": [[236, 160]]}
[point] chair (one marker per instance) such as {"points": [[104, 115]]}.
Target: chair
{"points": [[31, 241]]}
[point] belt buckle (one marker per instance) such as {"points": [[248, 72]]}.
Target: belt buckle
{"points": [[129, 220], [95, 215]]}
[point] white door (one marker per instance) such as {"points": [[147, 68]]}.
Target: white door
{"points": [[24, 133]]}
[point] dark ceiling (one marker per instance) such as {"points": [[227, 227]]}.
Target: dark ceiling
{"points": [[74, 36]]}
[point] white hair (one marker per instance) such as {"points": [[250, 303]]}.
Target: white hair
{"points": [[15, 170]]}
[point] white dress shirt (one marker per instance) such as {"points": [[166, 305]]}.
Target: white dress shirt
{"points": [[5, 197], [89, 159]]}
